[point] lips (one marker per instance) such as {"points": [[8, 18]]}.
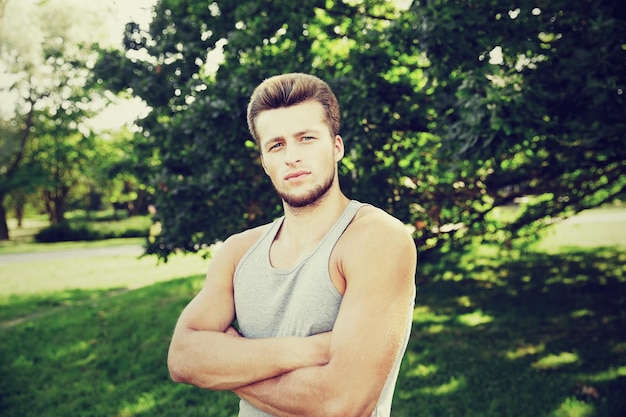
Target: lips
{"points": [[295, 174]]}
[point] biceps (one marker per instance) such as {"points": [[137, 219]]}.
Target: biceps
{"points": [[367, 338], [210, 309]]}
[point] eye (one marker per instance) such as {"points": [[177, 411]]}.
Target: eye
{"points": [[307, 138], [275, 146]]}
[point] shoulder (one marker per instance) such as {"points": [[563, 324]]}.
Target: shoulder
{"points": [[372, 224], [377, 249], [230, 252], [374, 236]]}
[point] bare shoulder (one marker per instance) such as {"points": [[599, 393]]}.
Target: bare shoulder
{"points": [[232, 249], [373, 226], [378, 249]]}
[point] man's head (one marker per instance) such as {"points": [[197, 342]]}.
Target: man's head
{"points": [[291, 89]]}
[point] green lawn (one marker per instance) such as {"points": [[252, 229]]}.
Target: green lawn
{"points": [[537, 333]]}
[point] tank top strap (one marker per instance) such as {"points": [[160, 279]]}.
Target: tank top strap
{"points": [[342, 223]]}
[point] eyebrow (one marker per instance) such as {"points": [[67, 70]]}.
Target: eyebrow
{"points": [[297, 134]]}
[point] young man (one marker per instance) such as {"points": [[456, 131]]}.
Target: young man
{"points": [[323, 296]]}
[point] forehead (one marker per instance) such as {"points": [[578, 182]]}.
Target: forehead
{"points": [[285, 121]]}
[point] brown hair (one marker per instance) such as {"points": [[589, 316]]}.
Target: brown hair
{"points": [[288, 90]]}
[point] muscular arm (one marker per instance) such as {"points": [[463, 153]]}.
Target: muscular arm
{"points": [[367, 336], [203, 354]]}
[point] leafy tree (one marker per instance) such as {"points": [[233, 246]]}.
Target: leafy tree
{"points": [[530, 101], [451, 109], [45, 97]]}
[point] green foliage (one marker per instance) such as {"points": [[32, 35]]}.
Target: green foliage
{"points": [[451, 109], [531, 101], [47, 98], [89, 231], [64, 232]]}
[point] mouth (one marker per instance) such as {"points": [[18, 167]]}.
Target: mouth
{"points": [[295, 175]]}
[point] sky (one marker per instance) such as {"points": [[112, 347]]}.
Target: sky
{"points": [[124, 11], [108, 18], [139, 11]]}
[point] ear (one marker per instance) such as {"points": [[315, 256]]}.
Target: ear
{"points": [[263, 163], [339, 149]]}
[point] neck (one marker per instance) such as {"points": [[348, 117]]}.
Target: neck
{"points": [[309, 224]]}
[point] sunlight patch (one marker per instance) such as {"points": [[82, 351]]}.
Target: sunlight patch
{"points": [[585, 312], [464, 301], [77, 348], [424, 314], [143, 404], [435, 329], [474, 319], [608, 375], [556, 361], [524, 351], [451, 386], [573, 407], [421, 371]]}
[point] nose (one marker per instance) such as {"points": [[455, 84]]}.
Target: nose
{"points": [[292, 155]]}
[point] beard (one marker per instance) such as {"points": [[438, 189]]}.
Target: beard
{"points": [[311, 197]]}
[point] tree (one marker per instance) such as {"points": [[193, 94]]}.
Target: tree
{"points": [[530, 102], [446, 116], [45, 96]]}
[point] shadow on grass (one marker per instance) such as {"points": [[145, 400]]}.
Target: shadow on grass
{"points": [[532, 335]]}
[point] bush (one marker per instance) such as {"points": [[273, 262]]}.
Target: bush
{"points": [[64, 232], [80, 230]]}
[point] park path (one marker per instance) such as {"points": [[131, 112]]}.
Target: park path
{"points": [[8, 258], [5, 259]]}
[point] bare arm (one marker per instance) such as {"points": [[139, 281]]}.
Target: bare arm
{"points": [[367, 336], [203, 354]]}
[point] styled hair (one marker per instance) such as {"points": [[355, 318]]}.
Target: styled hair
{"points": [[288, 90]]}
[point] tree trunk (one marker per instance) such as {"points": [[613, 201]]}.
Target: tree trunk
{"points": [[55, 204], [59, 209], [4, 227], [20, 205]]}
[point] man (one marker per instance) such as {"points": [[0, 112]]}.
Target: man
{"points": [[322, 297]]}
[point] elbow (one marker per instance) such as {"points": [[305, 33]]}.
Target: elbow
{"points": [[349, 411], [183, 372], [177, 372], [179, 377], [348, 407]]}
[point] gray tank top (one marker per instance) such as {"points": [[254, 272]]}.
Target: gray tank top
{"points": [[303, 301]]}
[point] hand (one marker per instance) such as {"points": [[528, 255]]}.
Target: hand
{"points": [[321, 348], [231, 331]]}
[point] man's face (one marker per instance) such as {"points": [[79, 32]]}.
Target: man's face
{"points": [[298, 152]]}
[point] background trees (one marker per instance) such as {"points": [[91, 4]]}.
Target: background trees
{"points": [[47, 147], [531, 100], [452, 109]]}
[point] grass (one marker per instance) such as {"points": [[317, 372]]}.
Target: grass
{"points": [[533, 335], [495, 334], [30, 287]]}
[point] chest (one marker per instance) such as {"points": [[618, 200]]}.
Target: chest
{"points": [[298, 301], [285, 257]]}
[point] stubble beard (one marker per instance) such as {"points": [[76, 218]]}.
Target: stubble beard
{"points": [[312, 197]]}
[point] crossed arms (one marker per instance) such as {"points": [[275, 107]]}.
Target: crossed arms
{"points": [[340, 373]]}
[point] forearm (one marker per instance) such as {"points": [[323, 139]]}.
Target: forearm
{"points": [[219, 361], [297, 393], [311, 391]]}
